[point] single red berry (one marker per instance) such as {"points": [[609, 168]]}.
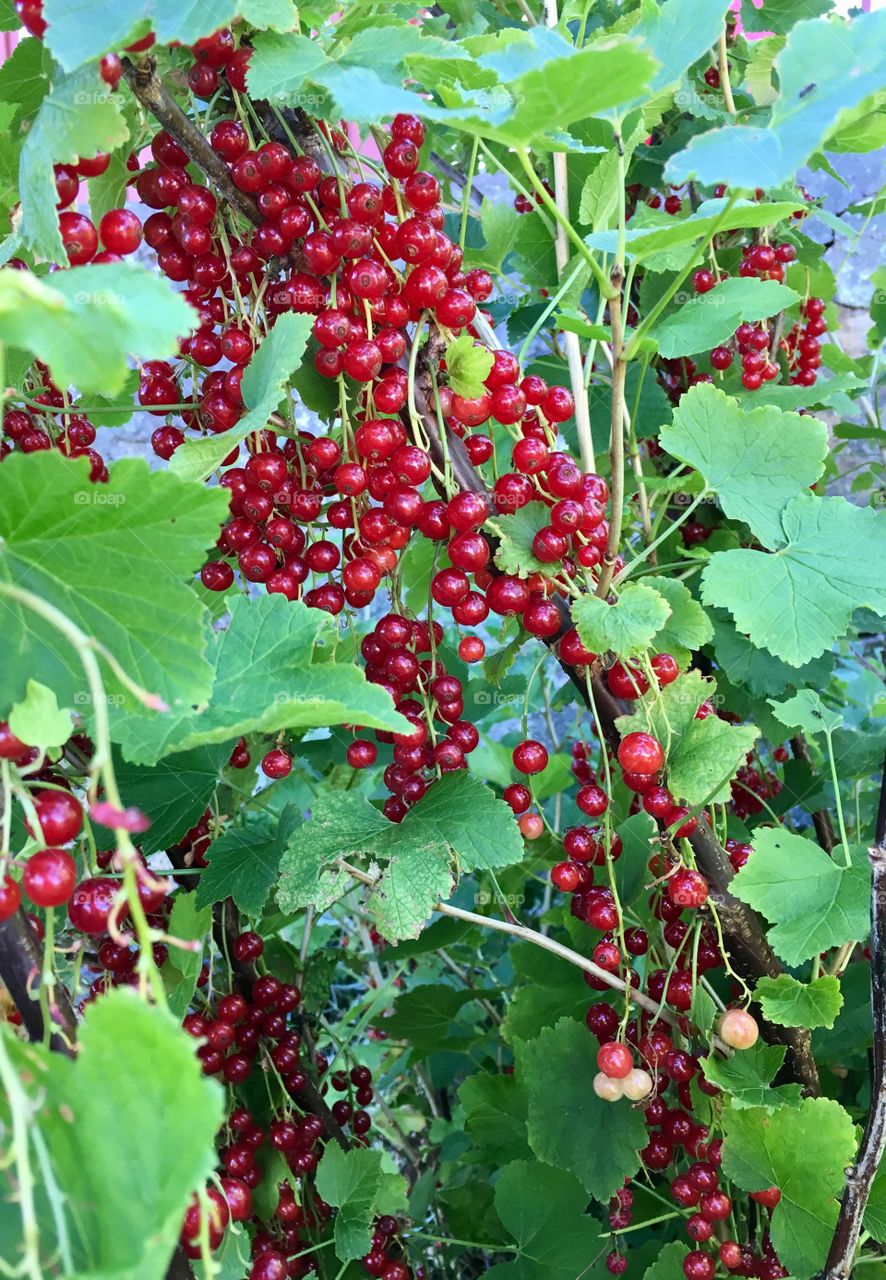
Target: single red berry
{"points": [[530, 757], [49, 877], [640, 753]]}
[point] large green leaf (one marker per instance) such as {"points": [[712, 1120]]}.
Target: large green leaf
{"points": [[114, 559], [804, 1152], [747, 1076], [798, 601], [264, 382], [556, 1069], [544, 1210], [136, 1064], [755, 460], [85, 323], [80, 117], [825, 69], [173, 793], [707, 319], [762, 673], [688, 626], [781, 15], [495, 1117], [80, 30], [811, 899], [271, 672]]}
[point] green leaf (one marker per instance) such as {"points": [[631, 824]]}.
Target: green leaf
{"points": [[280, 65], [707, 319], [546, 992], [458, 817], [265, 380], [800, 1004], [677, 33], [644, 242], [781, 15], [813, 902], [25, 77], [825, 70], [352, 1181], [702, 755], [80, 117], [467, 366], [408, 891], [269, 674], [798, 601], [804, 1152], [495, 1117], [173, 793], [755, 461], [136, 1064], [85, 323], [544, 1210], [269, 15], [426, 1017], [688, 627], [114, 558], [557, 1069], [758, 670], [37, 719], [182, 968], [875, 1210], [515, 534], [243, 863], [466, 815], [80, 30], [500, 224], [747, 1076], [626, 627], [669, 1263], [806, 710]]}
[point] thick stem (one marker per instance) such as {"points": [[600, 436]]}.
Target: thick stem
{"points": [[860, 1178], [561, 249], [821, 819], [145, 84], [616, 437], [723, 64], [21, 964]]}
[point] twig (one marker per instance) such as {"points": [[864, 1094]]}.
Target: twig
{"points": [[525, 934], [723, 63], [148, 89], [860, 1178], [561, 250], [821, 819], [20, 967], [457, 177], [616, 436]]}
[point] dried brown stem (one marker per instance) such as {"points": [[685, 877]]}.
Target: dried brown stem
{"points": [[821, 819], [144, 82]]}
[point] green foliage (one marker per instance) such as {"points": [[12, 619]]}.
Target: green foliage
{"points": [[543, 1210], [800, 1004], [122, 579], [271, 669], [793, 603], [38, 720], [812, 901], [556, 1069], [467, 366], [754, 461], [803, 1151], [86, 322], [457, 819], [625, 627], [136, 1061], [707, 319], [747, 1077], [244, 862], [356, 1183]]}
